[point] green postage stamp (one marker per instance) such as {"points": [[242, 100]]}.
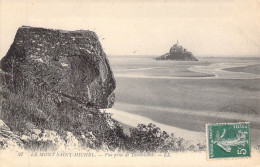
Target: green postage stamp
{"points": [[228, 140]]}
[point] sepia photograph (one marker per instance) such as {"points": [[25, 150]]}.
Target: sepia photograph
{"points": [[129, 83]]}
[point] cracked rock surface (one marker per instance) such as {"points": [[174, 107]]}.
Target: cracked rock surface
{"points": [[53, 85], [69, 63]]}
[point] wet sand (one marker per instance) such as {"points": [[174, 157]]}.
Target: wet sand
{"points": [[182, 97], [253, 69]]}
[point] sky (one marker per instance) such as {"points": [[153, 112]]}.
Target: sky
{"points": [[206, 28]]}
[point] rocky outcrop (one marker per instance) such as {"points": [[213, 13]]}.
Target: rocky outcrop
{"points": [[178, 53], [69, 63], [53, 85]]}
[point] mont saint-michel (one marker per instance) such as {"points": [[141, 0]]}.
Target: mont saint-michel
{"points": [[178, 53]]}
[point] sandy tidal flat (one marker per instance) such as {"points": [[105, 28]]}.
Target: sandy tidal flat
{"points": [[181, 97]]}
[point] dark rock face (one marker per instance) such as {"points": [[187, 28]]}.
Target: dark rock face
{"points": [[69, 63], [178, 53], [53, 85]]}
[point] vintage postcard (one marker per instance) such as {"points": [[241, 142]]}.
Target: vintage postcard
{"points": [[129, 83]]}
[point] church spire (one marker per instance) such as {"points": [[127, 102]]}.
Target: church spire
{"points": [[177, 42]]}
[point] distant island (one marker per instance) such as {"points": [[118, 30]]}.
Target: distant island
{"points": [[178, 53]]}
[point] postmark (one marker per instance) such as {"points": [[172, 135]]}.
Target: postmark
{"points": [[228, 140]]}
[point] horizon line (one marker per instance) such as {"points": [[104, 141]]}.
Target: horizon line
{"points": [[143, 55]]}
